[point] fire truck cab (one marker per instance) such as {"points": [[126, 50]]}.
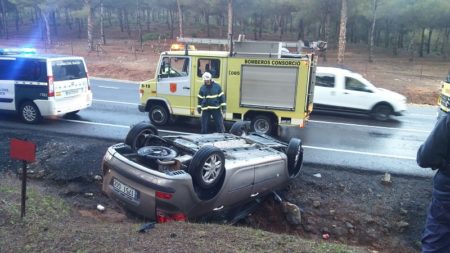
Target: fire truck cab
{"points": [[263, 83]]}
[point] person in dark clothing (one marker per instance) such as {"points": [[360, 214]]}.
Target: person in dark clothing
{"points": [[434, 153], [211, 102]]}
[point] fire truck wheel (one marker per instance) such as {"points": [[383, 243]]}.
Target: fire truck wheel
{"points": [[294, 154], [30, 113], [381, 112], [207, 167], [158, 115], [140, 135], [262, 124]]}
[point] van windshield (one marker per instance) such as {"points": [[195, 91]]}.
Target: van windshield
{"points": [[68, 70]]}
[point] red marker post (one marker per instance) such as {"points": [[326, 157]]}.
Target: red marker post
{"points": [[26, 152]]}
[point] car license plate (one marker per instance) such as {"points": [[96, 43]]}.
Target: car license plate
{"points": [[124, 189], [72, 92]]}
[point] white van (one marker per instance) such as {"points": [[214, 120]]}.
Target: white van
{"points": [[42, 85], [346, 91]]}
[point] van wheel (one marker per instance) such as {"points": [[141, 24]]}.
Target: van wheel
{"points": [[30, 113], [294, 154], [381, 112], [262, 124], [207, 167], [158, 115], [140, 135]]}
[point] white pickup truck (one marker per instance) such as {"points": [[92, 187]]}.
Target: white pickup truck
{"points": [[345, 91]]}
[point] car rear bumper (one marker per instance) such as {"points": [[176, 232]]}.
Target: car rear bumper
{"points": [[65, 105]]}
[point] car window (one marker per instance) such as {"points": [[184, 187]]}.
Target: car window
{"points": [[174, 67], [23, 70], [208, 65], [325, 80], [68, 70], [353, 84]]}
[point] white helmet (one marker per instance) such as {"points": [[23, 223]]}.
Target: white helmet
{"points": [[206, 76]]}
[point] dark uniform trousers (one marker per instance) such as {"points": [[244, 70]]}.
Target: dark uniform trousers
{"points": [[218, 120]]}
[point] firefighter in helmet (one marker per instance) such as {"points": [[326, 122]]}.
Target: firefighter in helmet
{"points": [[211, 102]]}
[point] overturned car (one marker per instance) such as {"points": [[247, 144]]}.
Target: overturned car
{"points": [[178, 177]]}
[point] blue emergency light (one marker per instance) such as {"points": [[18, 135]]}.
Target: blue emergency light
{"points": [[23, 50]]}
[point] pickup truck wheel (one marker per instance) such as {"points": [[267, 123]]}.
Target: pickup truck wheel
{"points": [[158, 115], [262, 124], [381, 112], [207, 167], [294, 154], [30, 113], [156, 152], [140, 135]]}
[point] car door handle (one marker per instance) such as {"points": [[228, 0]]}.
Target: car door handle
{"points": [[186, 88], [218, 208], [254, 195]]}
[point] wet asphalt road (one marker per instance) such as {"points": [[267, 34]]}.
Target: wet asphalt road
{"points": [[329, 139]]}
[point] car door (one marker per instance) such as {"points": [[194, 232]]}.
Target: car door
{"points": [[7, 93], [357, 94], [174, 83], [325, 91]]}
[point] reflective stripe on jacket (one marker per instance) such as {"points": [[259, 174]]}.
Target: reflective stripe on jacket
{"points": [[211, 97]]}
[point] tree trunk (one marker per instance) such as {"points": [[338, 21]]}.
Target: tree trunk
{"points": [[342, 31], [326, 31], [148, 19], [121, 19], [206, 14], [422, 42], [387, 35], [430, 32], [90, 25], [301, 30], [54, 23], [412, 47], [67, 17], [230, 19], [260, 26], [17, 20], [180, 18], [139, 24], [445, 43], [47, 28], [5, 20], [372, 29]]}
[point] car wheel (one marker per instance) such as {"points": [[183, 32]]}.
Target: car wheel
{"points": [[294, 154], [140, 134], [158, 115], [262, 124], [240, 128], [30, 113], [381, 112], [207, 167], [156, 152]]}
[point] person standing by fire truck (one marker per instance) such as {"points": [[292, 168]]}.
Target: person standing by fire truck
{"points": [[211, 102]]}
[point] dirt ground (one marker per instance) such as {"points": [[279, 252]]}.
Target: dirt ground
{"points": [[353, 208], [419, 80]]}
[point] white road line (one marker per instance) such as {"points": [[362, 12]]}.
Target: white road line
{"points": [[113, 102], [369, 126], [108, 87], [361, 153]]}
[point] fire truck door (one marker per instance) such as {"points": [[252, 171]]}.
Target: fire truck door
{"points": [[174, 83]]}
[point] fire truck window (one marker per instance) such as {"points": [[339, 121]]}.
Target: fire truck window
{"points": [[174, 67], [208, 65]]}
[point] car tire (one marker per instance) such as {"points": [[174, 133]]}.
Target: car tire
{"points": [[262, 124], [240, 128], [30, 113], [150, 153], [294, 155], [207, 167], [139, 134], [158, 115], [382, 112]]}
